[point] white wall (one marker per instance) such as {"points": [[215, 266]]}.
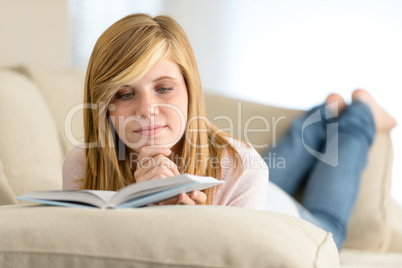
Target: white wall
{"points": [[90, 18], [34, 32]]}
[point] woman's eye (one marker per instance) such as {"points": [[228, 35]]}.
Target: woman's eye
{"points": [[163, 89], [125, 96]]}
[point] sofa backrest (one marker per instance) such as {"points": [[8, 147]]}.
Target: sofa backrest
{"points": [[260, 125], [63, 91], [30, 151]]}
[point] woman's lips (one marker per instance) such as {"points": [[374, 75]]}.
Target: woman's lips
{"points": [[150, 130]]}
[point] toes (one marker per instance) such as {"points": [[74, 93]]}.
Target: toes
{"points": [[362, 95], [383, 120], [336, 98]]}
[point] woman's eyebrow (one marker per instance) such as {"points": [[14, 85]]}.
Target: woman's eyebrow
{"points": [[125, 86], [163, 77], [153, 81]]}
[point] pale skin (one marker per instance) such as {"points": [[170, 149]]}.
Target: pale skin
{"points": [[149, 116], [384, 122]]}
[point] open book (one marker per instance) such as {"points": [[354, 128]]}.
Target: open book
{"points": [[131, 196]]}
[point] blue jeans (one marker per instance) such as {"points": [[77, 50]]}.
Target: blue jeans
{"points": [[327, 155]]}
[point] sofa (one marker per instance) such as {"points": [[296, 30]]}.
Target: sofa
{"points": [[41, 120]]}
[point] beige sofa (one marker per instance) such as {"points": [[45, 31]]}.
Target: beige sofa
{"points": [[35, 107]]}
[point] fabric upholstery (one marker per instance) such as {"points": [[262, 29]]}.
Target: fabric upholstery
{"points": [[353, 258], [264, 124], [396, 233], [370, 226], [63, 91], [7, 196], [165, 236], [30, 151]]}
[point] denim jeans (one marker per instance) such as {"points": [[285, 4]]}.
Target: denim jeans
{"points": [[326, 154]]}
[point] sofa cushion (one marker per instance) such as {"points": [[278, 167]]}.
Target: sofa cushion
{"points": [[63, 91], [30, 152], [370, 225], [7, 196], [352, 258], [160, 236], [396, 235]]}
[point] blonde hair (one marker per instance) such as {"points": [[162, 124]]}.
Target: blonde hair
{"points": [[124, 53]]}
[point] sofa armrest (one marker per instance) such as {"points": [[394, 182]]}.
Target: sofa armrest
{"points": [[30, 151]]}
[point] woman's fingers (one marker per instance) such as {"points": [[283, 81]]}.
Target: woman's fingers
{"points": [[148, 152], [153, 163], [184, 199], [156, 165], [181, 199], [172, 201], [193, 198], [198, 197], [146, 155], [156, 173]]}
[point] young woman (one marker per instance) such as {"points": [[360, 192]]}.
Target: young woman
{"points": [[146, 120]]}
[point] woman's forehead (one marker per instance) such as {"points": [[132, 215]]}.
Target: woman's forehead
{"points": [[164, 69]]}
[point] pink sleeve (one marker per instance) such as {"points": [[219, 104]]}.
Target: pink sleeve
{"points": [[73, 168], [243, 189]]}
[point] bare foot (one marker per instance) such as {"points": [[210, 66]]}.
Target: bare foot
{"points": [[383, 120], [335, 101]]}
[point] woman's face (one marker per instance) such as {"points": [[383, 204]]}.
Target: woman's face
{"points": [[153, 110]]}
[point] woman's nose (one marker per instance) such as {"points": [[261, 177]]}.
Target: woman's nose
{"points": [[147, 106]]}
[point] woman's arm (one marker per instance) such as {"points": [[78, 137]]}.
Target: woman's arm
{"points": [[246, 188], [73, 169]]}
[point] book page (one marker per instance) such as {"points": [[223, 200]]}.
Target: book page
{"points": [[149, 191], [95, 198], [142, 189], [169, 193], [106, 196]]}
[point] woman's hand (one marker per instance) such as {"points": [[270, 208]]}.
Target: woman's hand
{"points": [[153, 163], [193, 198]]}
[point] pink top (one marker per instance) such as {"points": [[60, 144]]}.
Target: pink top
{"points": [[247, 189]]}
